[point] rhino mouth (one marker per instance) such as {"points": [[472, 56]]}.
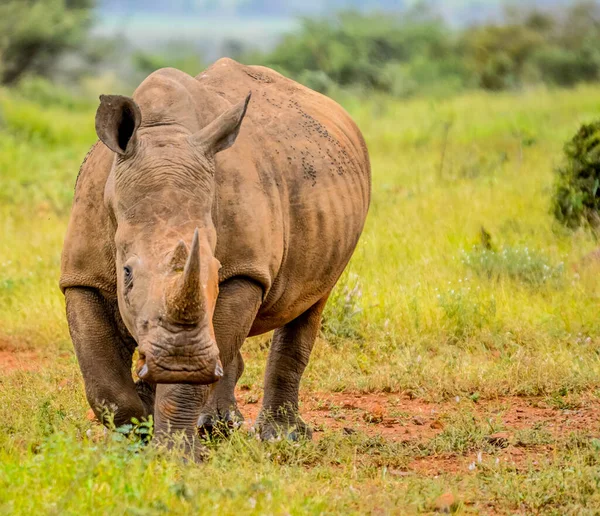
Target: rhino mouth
{"points": [[155, 367]]}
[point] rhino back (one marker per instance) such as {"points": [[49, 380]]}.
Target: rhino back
{"points": [[291, 198], [293, 192]]}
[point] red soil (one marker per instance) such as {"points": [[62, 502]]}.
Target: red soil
{"points": [[397, 417]]}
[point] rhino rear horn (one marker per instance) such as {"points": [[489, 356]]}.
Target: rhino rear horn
{"points": [[179, 257], [221, 133], [117, 120], [184, 300]]}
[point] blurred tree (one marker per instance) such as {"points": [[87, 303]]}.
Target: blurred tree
{"points": [[497, 54], [35, 33], [356, 49], [534, 46], [573, 50], [581, 24]]}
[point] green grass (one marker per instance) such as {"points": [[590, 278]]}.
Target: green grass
{"points": [[424, 309]]}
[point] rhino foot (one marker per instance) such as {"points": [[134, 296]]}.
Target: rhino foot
{"points": [[219, 422], [189, 448], [285, 424]]}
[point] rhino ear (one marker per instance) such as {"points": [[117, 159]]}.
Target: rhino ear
{"points": [[117, 120], [221, 133]]}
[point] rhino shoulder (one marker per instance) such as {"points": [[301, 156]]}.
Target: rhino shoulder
{"points": [[88, 251]]}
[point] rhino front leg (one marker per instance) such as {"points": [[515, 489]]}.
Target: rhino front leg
{"points": [[176, 411], [237, 305], [104, 351], [289, 355]]}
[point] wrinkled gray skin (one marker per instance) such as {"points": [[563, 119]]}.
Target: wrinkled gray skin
{"points": [[200, 219]]}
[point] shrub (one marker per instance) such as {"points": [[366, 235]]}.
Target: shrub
{"points": [[520, 264], [576, 198]]}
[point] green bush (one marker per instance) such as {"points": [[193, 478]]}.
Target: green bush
{"points": [[517, 263], [576, 199]]}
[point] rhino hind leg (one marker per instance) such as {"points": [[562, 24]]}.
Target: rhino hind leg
{"points": [[220, 413], [288, 358]]}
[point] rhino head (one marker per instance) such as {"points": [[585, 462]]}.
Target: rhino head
{"points": [[160, 196]]}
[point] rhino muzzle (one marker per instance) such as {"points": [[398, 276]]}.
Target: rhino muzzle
{"points": [[156, 365], [182, 348]]}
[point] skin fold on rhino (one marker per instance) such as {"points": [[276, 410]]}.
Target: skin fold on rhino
{"points": [[204, 216]]}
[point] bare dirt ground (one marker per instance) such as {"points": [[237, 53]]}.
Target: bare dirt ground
{"points": [[397, 417], [23, 360]]}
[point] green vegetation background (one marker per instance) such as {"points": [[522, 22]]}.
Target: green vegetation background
{"points": [[463, 286], [428, 306]]}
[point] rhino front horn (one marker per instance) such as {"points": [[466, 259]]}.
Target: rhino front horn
{"points": [[184, 300]]}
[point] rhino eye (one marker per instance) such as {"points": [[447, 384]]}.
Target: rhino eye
{"points": [[127, 276]]}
